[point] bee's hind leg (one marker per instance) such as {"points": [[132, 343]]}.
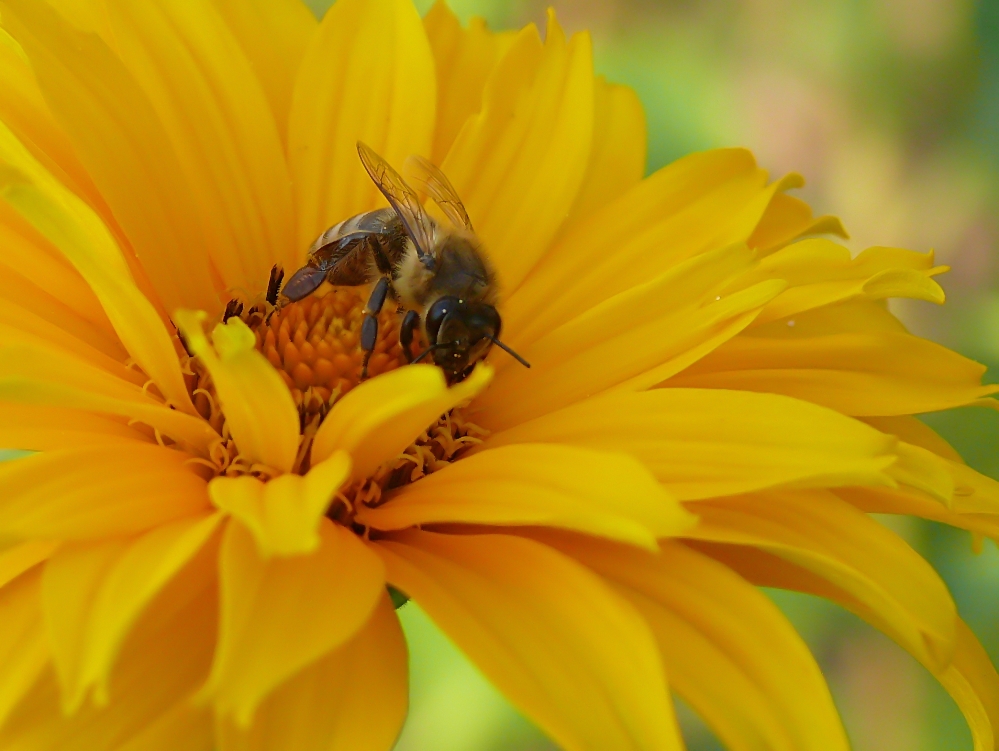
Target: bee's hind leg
{"points": [[406, 330], [369, 329]]}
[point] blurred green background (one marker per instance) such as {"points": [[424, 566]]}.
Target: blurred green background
{"points": [[890, 108]]}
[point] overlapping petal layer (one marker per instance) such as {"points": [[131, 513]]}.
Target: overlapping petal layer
{"points": [[169, 577]]}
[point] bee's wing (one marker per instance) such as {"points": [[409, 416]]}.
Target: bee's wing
{"points": [[440, 189], [403, 198]]}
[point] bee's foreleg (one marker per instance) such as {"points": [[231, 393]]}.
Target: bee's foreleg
{"points": [[369, 329], [406, 329]]}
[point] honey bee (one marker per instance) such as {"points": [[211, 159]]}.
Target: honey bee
{"points": [[438, 273]]}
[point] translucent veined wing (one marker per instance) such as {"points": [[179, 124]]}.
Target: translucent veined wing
{"points": [[403, 198], [440, 189]]}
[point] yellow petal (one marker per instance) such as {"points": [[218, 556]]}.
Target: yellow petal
{"points": [[702, 443], [273, 36], [284, 514], [465, 58], [181, 727], [665, 219], [631, 341], [24, 110], [915, 431], [72, 227], [259, 411], [70, 583], [16, 320], [729, 652], [617, 160], [368, 75], [20, 557], [221, 127], [28, 355], [32, 428], [820, 272], [857, 374], [572, 654], [24, 652], [354, 698], [911, 502], [80, 494], [280, 615], [602, 493], [519, 163], [190, 432], [377, 420], [786, 219], [123, 145], [45, 282], [166, 656], [972, 682], [823, 535], [968, 675], [160, 565]]}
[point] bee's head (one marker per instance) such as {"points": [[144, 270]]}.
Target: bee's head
{"points": [[461, 333]]}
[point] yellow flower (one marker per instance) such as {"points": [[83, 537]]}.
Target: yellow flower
{"points": [[197, 557]]}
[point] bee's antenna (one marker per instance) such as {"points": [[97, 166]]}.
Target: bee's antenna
{"points": [[509, 351], [426, 352]]}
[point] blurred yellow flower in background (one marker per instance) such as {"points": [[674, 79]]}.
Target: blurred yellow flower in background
{"points": [[198, 555]]}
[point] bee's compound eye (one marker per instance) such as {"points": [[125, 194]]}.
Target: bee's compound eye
{"points": [[436, 315]]}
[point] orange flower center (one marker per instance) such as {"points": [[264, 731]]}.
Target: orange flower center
{"points": [[315, 345]]}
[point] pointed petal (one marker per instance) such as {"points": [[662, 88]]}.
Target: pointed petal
{"points": [[24, 110], [181, 727], [972, 682], [630, 341], [786, 219], [31, 428], [220, 124], [968, 675], [123, 145], [703, 443], [367, 75], [155, 566], [820, 272], [282, 614], [273, 35], [283, 514], [519, 163], [858, 374], [72, 227], [820, 533], [20, 557], [729, 652], [70, 583], [166, 656], [24, 652], [354, 698], [259, 411], [617, 160], [664, 220], [602, 493], [377, 420], [465, 59], [40, 279], [98, 491], [16, 319], [553, 637], [32, 373]]}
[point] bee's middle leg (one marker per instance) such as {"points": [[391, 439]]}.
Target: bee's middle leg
{"points": [[369, 329]]}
